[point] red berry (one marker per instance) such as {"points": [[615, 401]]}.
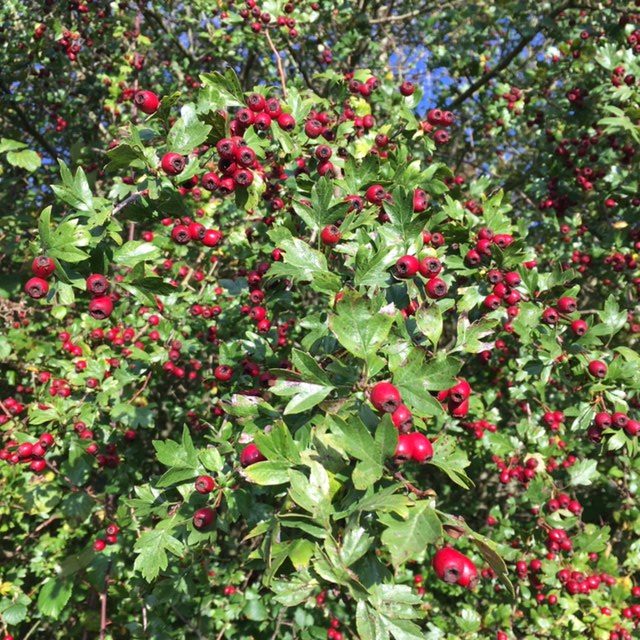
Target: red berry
{"points": [[384, 396], [147, 101]]}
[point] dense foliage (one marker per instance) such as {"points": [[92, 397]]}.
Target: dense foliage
{"points": [[319, 319]]}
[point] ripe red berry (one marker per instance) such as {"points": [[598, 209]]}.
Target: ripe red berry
{"points": [[436, 288], [147, 101], [211, 238], [101, 307], [597, 369], [223, 372], [407, 88], [406, 267], [36, 288], [205, 484], [375, 194], [421, 448], [250, 455], [402, 418], [173, 163], [579, 327], [43, 267], [330, 235], [203, 518], [384, 396], [97, 284], [567, 305], [453, 567]]}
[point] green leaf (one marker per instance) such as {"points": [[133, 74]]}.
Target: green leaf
{"points": [[360, 444], [488, 550], [429, 322], [360, 330], [300, 553], [53, 597], [13, 612], [25, 159], [123, 156], [75, 191], [305, 395], [44, 226], [406, 539], [227, 87], [188, 131], [355, 543], [152, 547], [369, 623], [583, 472], [404, 221], [268, 473], [176, 475], [7, 144], [372, 268], [174, 454], [448, 457], [313, 493], [132, 253], [309, 368], [593, 539], [295, 590], [612, 318], [302, 263]]}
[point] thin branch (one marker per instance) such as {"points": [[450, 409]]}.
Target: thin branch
{"points": [[283, 80], [305, 76], [103, 604], [396, 18], [126, 202], [506, 60], [27, 126], [159, 21]]}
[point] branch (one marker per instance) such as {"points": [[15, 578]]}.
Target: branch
{"points": [[283, 80], [506, 61], [305, 76], [127, 201], [404, 16], [103, 604], [26, 123], [158, 20]]}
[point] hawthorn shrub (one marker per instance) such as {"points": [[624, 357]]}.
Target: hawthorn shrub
{"points": [[276, 367]]}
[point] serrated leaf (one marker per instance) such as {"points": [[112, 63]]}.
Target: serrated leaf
{"points": [[53, 597], [360, 329], [188, 131], [132, 253], [406, 539], [583, 472], [25, 159], [152, 547]]}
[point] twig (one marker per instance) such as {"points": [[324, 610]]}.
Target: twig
{"points": [[126, 202], [283, 80], [32, 630], [38, 529], [103, 604], [506, 61], [396, 18], [27, 126]]}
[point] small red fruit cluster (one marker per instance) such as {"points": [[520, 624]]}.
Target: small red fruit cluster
{"points": [[457, 398], [111, 537], [415, 446], [28, 452], [438, 118], [454, 567]]}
